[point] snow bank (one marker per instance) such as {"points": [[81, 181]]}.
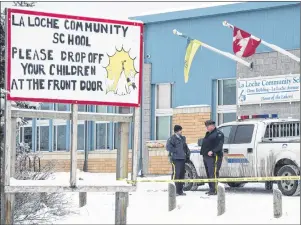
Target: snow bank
{"points": [[62, 179], [248, 205]]}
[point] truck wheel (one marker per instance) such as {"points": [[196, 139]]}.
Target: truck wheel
{"points": [[190, 173], [289, 187], [236, 184]]}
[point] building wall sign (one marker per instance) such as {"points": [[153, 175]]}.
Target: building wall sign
{"points": [[271, 89]]}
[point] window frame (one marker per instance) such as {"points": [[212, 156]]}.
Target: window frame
{"points": [[163, 112]]}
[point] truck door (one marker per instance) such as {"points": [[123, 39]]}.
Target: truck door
{"points": [[228, 134], [242, 153]]}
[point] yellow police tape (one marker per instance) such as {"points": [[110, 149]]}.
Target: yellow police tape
{"points": [[223, 180]]}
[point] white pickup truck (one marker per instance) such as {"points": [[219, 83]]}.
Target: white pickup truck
{"points": [[255, 147]]}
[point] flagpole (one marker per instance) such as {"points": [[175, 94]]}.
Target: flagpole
{"points": [[274, 47], [226, 54]]}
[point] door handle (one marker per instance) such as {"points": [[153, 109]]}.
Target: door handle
{"points": [[226, 150], [250, 150]]}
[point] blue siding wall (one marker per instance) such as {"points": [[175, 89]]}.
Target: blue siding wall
{"points": [[280, 26]]}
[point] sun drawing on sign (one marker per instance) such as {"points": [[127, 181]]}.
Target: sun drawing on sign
{"points": [[121, 73]]}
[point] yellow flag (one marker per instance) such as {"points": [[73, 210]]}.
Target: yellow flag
{"points": [[191, 49]]}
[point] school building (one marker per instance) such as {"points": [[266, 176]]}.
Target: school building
{"points": [[211, 91]]}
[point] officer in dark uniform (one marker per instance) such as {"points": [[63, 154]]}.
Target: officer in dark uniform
{"points": [[212, 152], [178, 153]]}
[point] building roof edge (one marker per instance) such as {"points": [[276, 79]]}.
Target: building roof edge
{"points": [[210, 11]]}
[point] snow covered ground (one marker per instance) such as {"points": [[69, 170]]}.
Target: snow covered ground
{"points": [[248, 205]]}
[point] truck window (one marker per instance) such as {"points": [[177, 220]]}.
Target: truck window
{"points": [[226, 130], [243, 134]]}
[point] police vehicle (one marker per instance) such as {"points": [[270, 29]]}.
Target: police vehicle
{"points": [[254, 146]]}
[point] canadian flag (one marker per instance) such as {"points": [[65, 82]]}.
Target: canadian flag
{"points": [[244, 44]]}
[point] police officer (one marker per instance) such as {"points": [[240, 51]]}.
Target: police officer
{"points": [[177, 148], [212, 152]]}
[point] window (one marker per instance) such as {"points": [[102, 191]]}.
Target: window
{"points": [[21, 134], [227, 92], [101, 135], [226, 101], [102, 131], [101, 109], [163, 127], [163, 111], [229, 117], [226, 117], [243, 134], [61, 107], [220, 92], [42, 135], [54, 138], [282, 130], [80, 137], [82, 108], [117, 135], [46, 106], [44, 138], [28, 136], [163, 96], [60, 138], [226, 131], [38, 139]]}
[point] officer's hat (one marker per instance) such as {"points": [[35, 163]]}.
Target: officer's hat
{"points": [[209, 122]]}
